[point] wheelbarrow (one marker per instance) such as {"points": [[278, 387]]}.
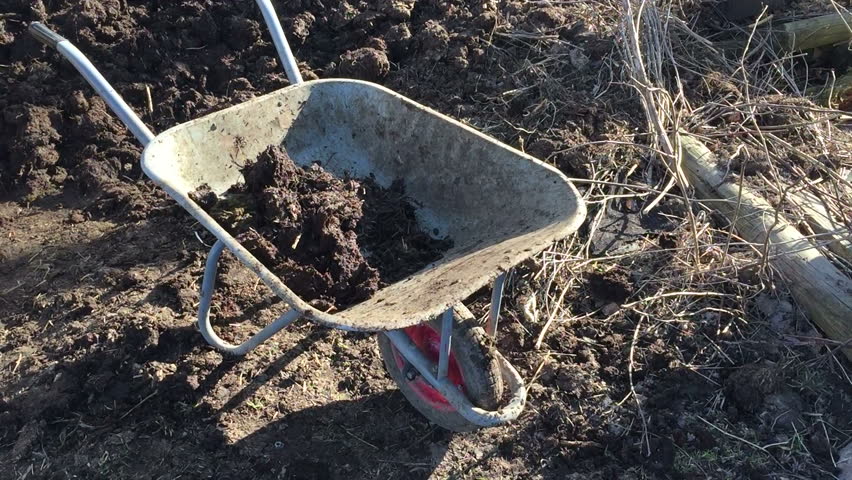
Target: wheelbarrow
{"points": [[498, 205]]}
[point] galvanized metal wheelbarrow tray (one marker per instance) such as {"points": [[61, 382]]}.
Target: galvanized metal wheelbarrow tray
{"points": [[499, 205]]}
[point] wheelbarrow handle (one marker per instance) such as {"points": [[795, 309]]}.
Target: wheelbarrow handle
{"points": [[46, 36], [280, 40], [50, 38]]}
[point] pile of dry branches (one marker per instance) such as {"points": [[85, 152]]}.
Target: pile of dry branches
{"points": [[752, 104]]}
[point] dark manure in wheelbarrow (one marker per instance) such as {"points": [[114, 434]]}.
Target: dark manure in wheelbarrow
{"points": [[333, 241]]}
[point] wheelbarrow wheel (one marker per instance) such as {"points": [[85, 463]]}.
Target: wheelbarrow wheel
{"points": [[472, 367]]}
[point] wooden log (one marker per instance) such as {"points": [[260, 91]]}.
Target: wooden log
{"points": [[823, 291], [822, 223], [816, 32]]}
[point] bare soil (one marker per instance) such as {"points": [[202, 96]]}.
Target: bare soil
{"points": [[104, 375]]}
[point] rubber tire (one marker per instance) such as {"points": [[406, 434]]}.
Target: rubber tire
{"points": [[474, 355]]}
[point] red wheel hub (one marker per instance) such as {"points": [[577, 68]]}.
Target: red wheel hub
{"points": [[428, 341]]}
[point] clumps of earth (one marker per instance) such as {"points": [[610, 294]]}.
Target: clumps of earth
{"points": [[365, 63], [333, 241]]}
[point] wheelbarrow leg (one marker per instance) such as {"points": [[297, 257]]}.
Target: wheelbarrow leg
{"points": [[207, 286], [496, 301], [446, 339]]}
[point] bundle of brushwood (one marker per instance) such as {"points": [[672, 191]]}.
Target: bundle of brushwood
{"points": [[818, 284], [792, 204]]}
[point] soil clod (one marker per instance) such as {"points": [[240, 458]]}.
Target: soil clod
{"points": [[333, 241]]}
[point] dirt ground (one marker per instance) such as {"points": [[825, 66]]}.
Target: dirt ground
{"points": [[103, 373]]}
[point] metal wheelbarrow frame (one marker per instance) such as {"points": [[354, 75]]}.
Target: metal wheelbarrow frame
{"points": [[470, 189]]}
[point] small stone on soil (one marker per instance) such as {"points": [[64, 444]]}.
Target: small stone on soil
{"points": [[76, 217]]}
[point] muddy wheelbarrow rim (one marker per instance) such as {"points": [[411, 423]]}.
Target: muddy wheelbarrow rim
{"points": [[436, 287]]}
